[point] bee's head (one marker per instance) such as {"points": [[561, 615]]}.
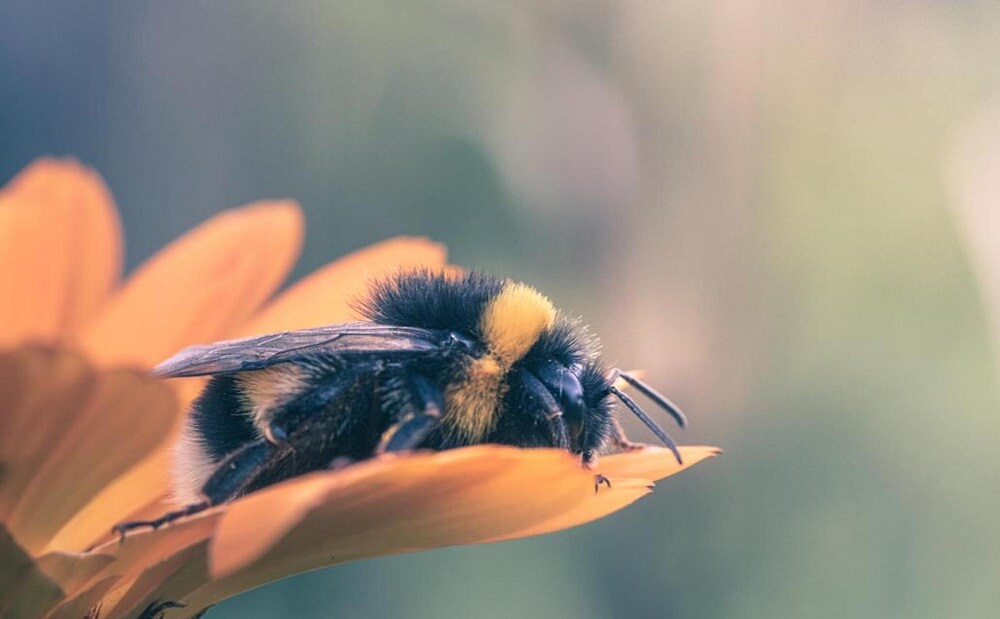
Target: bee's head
{"points": [[542, 365], [553, 364]]}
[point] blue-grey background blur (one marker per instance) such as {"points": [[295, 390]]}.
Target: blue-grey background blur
{"points": [[750, 200]]}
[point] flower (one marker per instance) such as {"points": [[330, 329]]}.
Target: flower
{"points": [[86, 431]]}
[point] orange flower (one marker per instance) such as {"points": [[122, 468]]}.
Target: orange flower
{"points": [[85, 442]]}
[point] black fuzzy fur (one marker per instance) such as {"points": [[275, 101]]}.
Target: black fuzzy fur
{"points": [[431, 300]]}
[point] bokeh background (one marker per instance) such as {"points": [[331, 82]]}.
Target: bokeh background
{"points": [[787, 212]]}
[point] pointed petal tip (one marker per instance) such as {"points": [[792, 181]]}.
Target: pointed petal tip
{"points": [[655, 462]]}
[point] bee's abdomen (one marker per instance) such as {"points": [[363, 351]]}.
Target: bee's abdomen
{"points": [[219, 423], [221, 417]]}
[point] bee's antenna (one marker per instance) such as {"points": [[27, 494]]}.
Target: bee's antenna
{"points": [[655, 396], [644, 418]]}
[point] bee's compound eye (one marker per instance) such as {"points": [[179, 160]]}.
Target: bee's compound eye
{"points": [[566, 388]]}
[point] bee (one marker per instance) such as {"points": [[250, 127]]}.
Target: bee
{"points": [[442, 361]]}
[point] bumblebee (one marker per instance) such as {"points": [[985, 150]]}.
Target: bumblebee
{"points": [[442, 361]]}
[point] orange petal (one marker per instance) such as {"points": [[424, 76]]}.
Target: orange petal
{"points": [[60, 418], [24, 590], [383, 506], [607, 500], [60, 250], [198, 287], [393, 504], [630, 474], [654, 462], [323, 297]]}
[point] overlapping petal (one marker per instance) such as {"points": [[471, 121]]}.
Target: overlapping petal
{"points": [[384, 506], [69, 431]]}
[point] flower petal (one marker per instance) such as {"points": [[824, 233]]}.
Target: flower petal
{"points": [[396, 504], [654, 462], [60, 416], [383, 506], [607, 500], [388, 505], [195, 289], [630, 474], [323, 297], [60, 250]]}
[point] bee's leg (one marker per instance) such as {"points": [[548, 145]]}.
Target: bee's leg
{"points": [[407, 435], [158, 609], [122, 528], [229, 478], [284, 421], [231, 474], [549, 412], [426, 407], [620, 440]]}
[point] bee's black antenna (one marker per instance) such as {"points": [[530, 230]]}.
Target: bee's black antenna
{"points": [[655, 396], [644, 418]]}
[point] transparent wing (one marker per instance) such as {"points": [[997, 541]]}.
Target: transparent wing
{"points": [[254, 353]]}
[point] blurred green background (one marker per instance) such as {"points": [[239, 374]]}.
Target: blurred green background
{"points": [[759, 203]]}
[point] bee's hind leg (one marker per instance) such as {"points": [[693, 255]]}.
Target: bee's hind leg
{"points": [[424, 415], [122, 528], [228, 480]]}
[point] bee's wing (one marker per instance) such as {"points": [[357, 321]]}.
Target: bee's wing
{"points": [[254, 353]]}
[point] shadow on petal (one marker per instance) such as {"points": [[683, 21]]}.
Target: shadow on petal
{"points": [[25, 591]]}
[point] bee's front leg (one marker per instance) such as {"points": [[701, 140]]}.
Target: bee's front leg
{"points": [[424, 409]]}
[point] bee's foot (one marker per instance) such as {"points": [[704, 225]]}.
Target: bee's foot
{"points": [[600, 479]]}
